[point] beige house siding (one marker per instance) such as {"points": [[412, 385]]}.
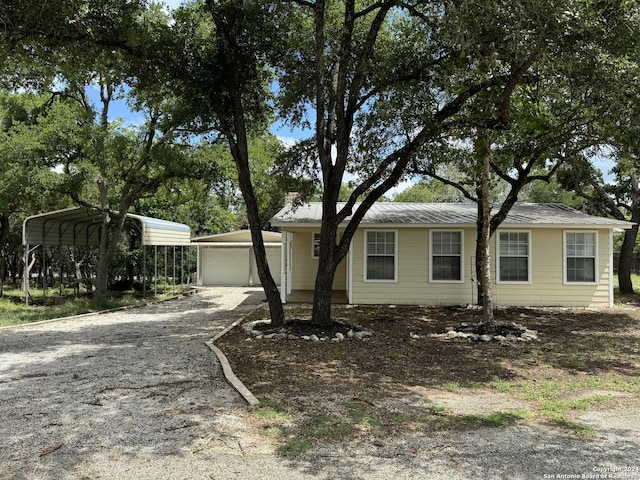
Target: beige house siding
{"points": [[305, 266], [412, 285], [547, 287]]}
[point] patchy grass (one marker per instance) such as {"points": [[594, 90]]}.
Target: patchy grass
{"points": [[452, 386], [13, 310], [490, 420]]}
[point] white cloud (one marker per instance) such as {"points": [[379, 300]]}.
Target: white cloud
{"points": [[400, 187], [288, 142], [171, 4]]}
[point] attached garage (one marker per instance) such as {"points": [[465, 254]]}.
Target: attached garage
{"points": [[227, 258]]}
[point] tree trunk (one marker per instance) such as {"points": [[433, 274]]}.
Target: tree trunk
{"points": [[239, 149], [321, 314], [235, 130], [628, 245], [112, 228], [483, 255], [625, 263], [266, 279], [28, 268], [238, 144]]}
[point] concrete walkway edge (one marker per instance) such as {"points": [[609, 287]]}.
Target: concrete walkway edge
{"points": [[231, 377], [226, 367]]}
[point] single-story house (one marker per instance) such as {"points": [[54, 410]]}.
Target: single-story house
{"points": [[424, 253], [228, 259]]}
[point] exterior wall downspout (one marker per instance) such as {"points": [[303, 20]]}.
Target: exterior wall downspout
{"points": [[284, 248], [350, 275], [199, 265], [611, 303]]}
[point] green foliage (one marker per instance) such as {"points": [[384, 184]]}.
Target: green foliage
{"points": [[551, 192], [428, 191]]}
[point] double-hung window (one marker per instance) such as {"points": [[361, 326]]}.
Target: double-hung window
{"points": [[381, 257], [446, 256], [580, 251], [514, 262]]}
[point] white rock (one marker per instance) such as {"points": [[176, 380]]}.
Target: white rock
{"points": [[314, 338], [451, 334], [350, 333], [499, 338], [511, 338], [450, 329], [485, 338], [339, 336], [334, 339], [306, 337]]}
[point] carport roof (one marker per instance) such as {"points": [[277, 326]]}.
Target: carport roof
{"points": [[238, 236], [82, 226]]}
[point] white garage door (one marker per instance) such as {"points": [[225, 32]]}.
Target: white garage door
{"points": [[275, 264], [225, 266]]}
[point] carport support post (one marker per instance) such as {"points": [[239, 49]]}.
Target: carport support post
{"points": [[182, 266], [174, 269], [144, 272], [44, 274], [166, 279], [61, 268], [155, 270], [26, 275]]}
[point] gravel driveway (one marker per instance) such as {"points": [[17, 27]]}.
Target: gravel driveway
{"points": [[138, 395]]}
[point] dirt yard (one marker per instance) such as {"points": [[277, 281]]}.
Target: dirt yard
{"points": [[408, 376]]}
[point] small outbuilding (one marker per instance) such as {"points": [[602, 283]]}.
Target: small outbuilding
{"points": [[228, 258], [82, 227]]}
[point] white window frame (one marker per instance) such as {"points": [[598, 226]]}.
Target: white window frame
{"points": [[395, 256], [315, 235], [596, 259], [431, 255], [529, 259]]}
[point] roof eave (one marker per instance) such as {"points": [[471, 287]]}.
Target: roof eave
{"points": [[586, 226]]}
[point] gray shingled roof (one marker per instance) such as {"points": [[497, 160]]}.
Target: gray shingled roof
{"points": [[392, 213]]}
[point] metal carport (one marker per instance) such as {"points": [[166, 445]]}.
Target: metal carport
{"points": [[79, 226]]}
